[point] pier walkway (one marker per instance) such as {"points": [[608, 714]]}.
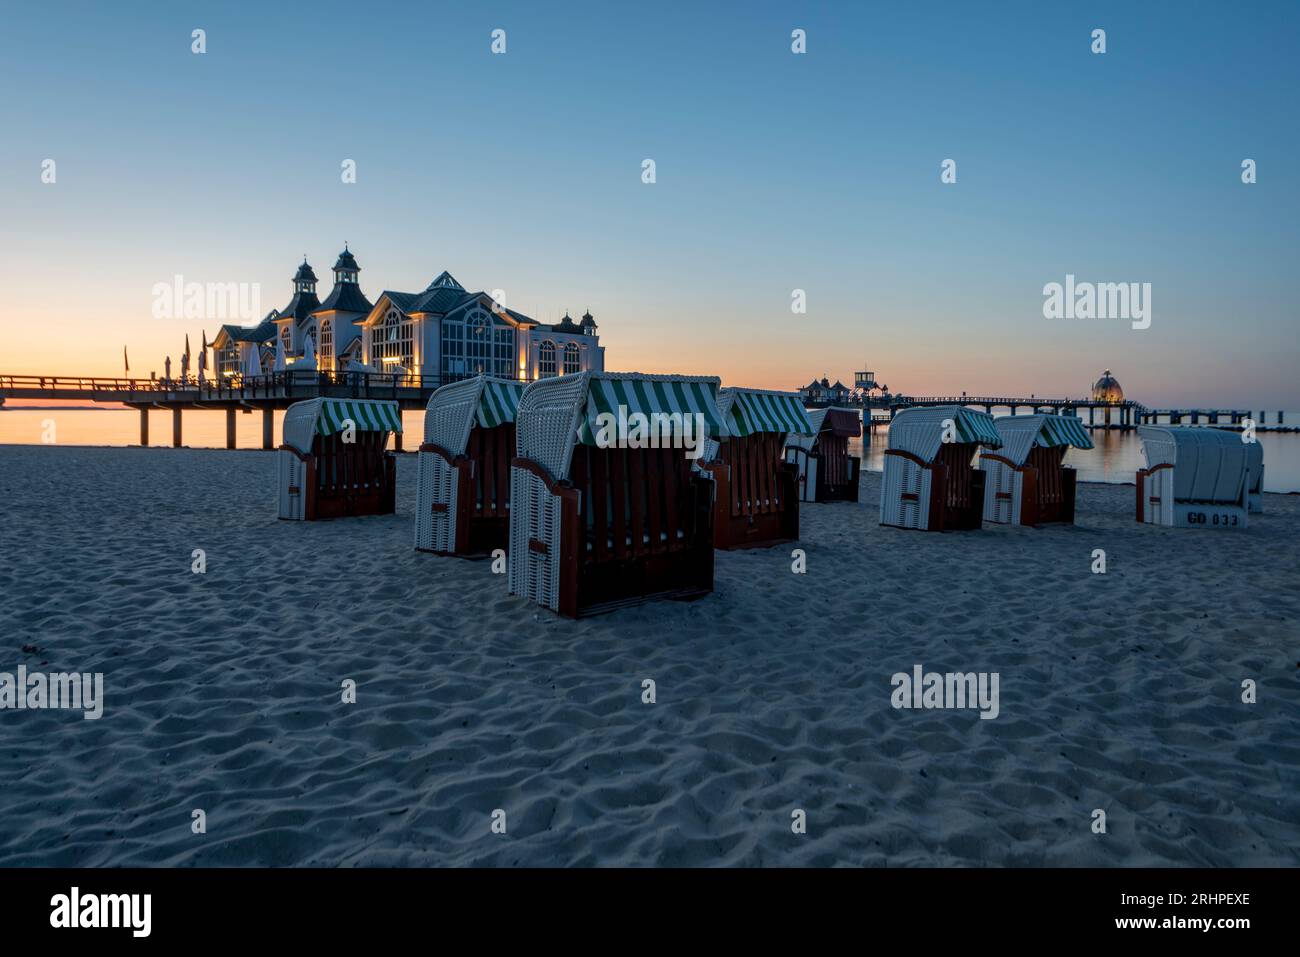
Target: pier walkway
{"points": [[276, 390]]}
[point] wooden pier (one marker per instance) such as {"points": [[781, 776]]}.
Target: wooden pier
{"points": [[265, 393], [1095, 415]]}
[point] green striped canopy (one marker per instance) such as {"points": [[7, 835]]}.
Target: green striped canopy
{"points": [[498, 403], [623, 396], [1063, 430], [369, 415], [976, 427], [753, 411]]}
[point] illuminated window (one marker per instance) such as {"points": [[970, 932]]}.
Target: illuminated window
{"points": [[325, 359], [392, 342], [572, 359], [228, 360]]}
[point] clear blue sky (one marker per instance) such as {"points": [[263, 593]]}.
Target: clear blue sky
{"points": [[775, 172]]}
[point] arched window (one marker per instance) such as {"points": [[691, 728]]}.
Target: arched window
{"points": [[478, 342], [546, 360], [325, 358], [572, 359], [286, 333], [392, 344]]}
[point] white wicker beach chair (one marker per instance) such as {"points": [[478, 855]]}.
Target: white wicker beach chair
{"points": [[594, 527], [1025, 482], [463, 496], [928, 482], [333, 460], [1195, 478]]}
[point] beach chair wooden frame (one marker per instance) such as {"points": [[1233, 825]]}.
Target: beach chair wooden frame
{"points": [[1026, 481], [929, 484], [756, 502], [593, 529], [463, 492], [1255, 478], [322, 475], [826, 472], [1195, 478]]}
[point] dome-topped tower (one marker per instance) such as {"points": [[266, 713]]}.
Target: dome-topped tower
{"points": [[304, 294], [346, 269], [1108, 390], [304, 280], [346, 296]]}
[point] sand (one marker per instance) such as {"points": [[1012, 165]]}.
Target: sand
{"points": [[1119, 691]]}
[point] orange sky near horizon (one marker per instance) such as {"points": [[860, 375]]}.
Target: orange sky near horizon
{"points": [[778, 351]]}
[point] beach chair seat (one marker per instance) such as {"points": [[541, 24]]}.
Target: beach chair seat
{"points": [[824, 469], [756, 502], [1027, 482], [334, 460], [596, 527], [1195, 478], [463, 495], [928, 483]]}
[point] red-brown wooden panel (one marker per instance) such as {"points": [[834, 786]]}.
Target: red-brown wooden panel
{"points": [[619, 499]]}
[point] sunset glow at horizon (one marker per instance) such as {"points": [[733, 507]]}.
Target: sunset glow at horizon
{"points": [[775, 172]]}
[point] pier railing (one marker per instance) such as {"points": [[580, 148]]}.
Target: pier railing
{"points": [[271, 386]]}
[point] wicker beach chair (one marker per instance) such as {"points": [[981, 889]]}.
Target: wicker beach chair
{"points": [[929, 484], [826, 471], [334, 460], [1255, 479], [757, 496], [463, 497], [1026, 481], [594, 524], [1195, 478]]}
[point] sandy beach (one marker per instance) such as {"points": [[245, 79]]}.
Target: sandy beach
{"points": [[1119, 691]]}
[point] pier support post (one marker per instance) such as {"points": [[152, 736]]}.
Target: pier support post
{"points": [[268, 428], [230, 427], [397, 441], [144, 427], [176, 427]]}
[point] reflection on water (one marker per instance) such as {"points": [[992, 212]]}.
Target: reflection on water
{"points": [[1116, 457]]}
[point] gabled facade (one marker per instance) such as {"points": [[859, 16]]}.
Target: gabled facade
{"points": [[233, 346], [445, 332], [448, 332], [822, 392]]}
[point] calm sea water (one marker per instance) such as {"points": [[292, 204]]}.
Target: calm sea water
{"points": [[1117, 455]]}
